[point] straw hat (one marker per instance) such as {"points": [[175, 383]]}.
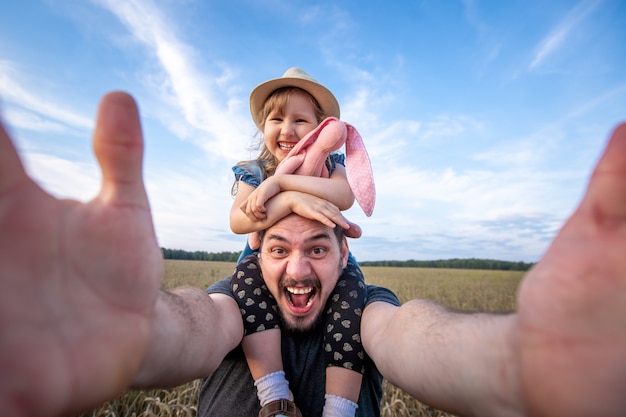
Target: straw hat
{"points": [[294, 77]]}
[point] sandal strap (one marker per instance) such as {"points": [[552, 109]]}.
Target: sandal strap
{"points": [[285, 407]]}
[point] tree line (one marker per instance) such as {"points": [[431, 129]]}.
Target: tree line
{"points": [[200, 255], [455, 263]]}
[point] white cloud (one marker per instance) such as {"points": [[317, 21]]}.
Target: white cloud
{"points": [[189, 208], [560, 34], [212, 119], [50, 108], [63, 178], [31, 121]]}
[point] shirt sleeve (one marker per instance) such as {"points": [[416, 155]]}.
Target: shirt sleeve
{"points": [[249, 172], [376, 293], [335, 158], [221, 287]]}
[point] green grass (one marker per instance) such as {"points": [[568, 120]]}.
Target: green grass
{"points": [[473, 290]]}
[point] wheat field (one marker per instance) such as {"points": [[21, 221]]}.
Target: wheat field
{"points": [[472, 290]]}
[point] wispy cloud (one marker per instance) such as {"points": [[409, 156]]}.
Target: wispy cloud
{"points": [[197, 94], [595, 102], [35, 111], [30, 121], [560, 34]]}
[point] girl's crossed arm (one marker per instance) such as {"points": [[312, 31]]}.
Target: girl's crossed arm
{"points": [[281, 205], [334, 189]]}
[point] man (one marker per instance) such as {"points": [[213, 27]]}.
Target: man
{"points": [[82, 317], [301, 260]]}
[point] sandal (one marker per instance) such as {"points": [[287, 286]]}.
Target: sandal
{"points": [[283, 407]]}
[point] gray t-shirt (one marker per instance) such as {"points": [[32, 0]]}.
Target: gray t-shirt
{"points": [[230, 390]]}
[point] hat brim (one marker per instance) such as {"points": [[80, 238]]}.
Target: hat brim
{"points": [[322, 95]]}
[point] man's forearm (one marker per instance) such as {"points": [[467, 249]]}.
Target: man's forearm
{"points": [[192, 331], [463, 363]]}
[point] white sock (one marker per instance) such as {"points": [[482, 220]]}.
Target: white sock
{"points": [[336, 406], [272, 387]]}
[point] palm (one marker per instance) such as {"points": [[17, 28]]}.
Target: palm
{"points": [[570, 339], [94, 272]]}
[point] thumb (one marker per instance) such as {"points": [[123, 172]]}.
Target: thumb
{"points": [[118, 145], [606, 193], [11, 169]]}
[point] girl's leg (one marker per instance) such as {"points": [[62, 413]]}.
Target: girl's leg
{"points": [[342, 343], [261, 342]]}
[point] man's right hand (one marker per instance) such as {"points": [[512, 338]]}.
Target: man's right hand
{"points": [[79, 281]]}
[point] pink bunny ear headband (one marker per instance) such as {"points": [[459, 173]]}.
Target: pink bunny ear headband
{"points": [[308, 157]]}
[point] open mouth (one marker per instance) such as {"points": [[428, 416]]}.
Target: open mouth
{"points": [[286, 146], [300, 298]]}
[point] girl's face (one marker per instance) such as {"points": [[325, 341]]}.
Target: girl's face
{"points": [[286, 126]]}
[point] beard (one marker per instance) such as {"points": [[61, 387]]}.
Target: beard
{"points": [[301, 325]]}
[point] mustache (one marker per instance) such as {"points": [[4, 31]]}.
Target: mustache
{"points": [[307, 282]]}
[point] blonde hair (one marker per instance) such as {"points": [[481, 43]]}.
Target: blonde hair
{"points": [[277, 101]]}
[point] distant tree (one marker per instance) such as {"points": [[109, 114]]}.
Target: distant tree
{"points": [[200, 255], [455, 263]]}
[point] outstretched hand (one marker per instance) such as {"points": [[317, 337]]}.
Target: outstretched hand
{"points": [[79, 281], [572, 305]]}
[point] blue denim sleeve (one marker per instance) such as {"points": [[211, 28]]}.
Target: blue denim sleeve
{"points": [[335, 158], [250, 173]]}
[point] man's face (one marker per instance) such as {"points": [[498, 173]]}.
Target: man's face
{"points": [[301, 261]]}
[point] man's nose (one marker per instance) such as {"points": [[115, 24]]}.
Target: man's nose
{"points": [[298, 266]]}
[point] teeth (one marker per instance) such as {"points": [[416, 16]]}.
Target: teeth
{"points": [[285, 147], [298, 290]]}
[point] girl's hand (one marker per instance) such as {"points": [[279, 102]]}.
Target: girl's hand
{"points": [[315, 208], [254, 205]]}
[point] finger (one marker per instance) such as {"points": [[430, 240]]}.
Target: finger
{"points": [[343, 222], [326, 216], [605, 199], [257, 211], [11, 168], [118, 145], [259, 215], [249, 209], [354, 230], [334, 215], [260, 208]]}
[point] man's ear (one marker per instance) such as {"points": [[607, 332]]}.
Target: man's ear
{"points": [[344, 252]]}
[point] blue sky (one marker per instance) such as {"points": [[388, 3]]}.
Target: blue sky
{"points": [[483, 119]]}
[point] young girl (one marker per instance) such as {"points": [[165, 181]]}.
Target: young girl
{"points": [[285, 110]]}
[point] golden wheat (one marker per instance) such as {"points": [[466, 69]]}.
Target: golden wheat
{"points": [[471, 290]]}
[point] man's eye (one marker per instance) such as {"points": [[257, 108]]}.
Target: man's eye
{"points": [[278, 252], [318, 252]]}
